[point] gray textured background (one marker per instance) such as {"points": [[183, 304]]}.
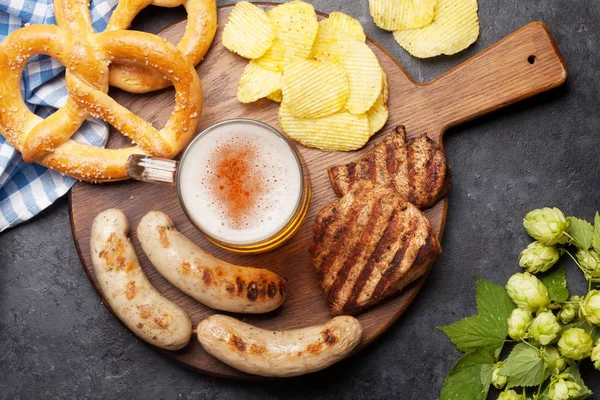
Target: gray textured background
{"points": [[58, 341]]}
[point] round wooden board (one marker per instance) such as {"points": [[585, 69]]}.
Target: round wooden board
{"points": [[219, 73]]}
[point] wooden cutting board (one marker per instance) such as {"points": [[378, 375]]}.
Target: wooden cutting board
{"points": [[523, 64]]}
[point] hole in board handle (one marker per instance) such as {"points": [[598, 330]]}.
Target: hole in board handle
{"points": [[531, 59]]}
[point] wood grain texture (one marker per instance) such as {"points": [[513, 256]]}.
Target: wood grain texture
{"points": [[497, 77]]}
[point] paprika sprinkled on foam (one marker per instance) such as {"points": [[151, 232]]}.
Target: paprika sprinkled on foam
{"points": [[237, 180]]}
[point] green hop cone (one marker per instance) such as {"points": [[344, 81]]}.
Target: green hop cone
{"points": [[596, 355], [589, 261], [527, 292], [544, 328], [555, 362], [518, 323], [591, 307], [569, 310], [509, 395], [547, 225], [562, 388], [498, 380], [538, 257], [576, 344]]}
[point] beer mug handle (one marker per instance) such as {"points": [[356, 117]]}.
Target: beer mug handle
{"points": [[146, 168]]}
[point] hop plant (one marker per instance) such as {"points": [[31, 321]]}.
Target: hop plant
{"points": [[544, 328], [589, 260], [509, 395], [547, 225], [595, 357], [518, 324], [498, 380], [553, 359], [569, 310], [538, 257], [527, 292], [591, 307], [562, 388], [576, 344]]}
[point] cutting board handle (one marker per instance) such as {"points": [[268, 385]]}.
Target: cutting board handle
{"points": [[519, 66]]}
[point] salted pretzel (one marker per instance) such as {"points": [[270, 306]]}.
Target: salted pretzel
{"points": [[74, 15], [87, 59]]}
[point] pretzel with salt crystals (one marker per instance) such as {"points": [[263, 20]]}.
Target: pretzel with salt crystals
{"points": [[87, 58], [135, 78]]}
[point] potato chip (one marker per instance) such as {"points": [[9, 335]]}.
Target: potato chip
{"points": [[385, 89], [346, 25], [314, 89], [377, 115], [296, 25], [455, 27], [341, 131], [276, 96], [395, 15], [257, 82], [248, 32], [362, 68]]}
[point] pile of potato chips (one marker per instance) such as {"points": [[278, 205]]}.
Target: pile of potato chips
{"points": [[428, 28], [332, 90]]}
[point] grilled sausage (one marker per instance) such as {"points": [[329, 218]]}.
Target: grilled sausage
{"points": [[131, 296], [278, 353], [213, 282]]}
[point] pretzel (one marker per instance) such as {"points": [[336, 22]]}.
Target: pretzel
{"points": [[199, 33], [87, 58]]}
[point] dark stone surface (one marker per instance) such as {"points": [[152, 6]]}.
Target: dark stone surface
{"points": [[58, 341]]}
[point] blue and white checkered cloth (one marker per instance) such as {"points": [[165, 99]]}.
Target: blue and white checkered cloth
{"points": [[26, 189]]}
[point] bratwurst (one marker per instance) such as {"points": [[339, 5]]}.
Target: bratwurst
{"points": [[209, 280], [127, 290], [278, 353]]}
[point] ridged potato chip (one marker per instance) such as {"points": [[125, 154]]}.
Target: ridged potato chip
{"points": [[257, 82], [341, 131], [379, 113], [455, 27], [276, 96], [248, 32], [385, 87], [314, 89], [296, 25], [346, 25], [362, 68], [394, 15]]}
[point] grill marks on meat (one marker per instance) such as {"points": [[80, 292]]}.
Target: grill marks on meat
{"points": [[368, 245], [416, 168]]}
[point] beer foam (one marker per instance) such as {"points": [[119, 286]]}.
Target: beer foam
{"points": [[240, 183]]}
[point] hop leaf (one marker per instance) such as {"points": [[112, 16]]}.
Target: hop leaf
{"points": [[582, 233], [470, 378], [556, 283], [488, 329], [524, 366]]}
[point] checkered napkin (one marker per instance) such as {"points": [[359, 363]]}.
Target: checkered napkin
{"points": [[26, 189]]}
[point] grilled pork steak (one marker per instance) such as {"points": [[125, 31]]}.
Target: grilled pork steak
{"points": [[370, 244], [416, 168]]}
